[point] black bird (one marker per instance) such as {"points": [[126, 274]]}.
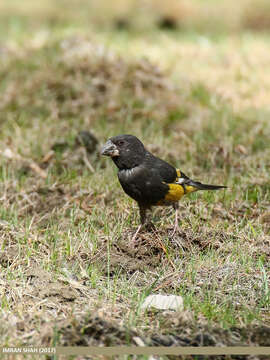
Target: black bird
{"points": [[146, 178]]}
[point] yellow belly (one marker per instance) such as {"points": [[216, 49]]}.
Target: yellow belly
{"points": [[176, 191], [174, 194]]}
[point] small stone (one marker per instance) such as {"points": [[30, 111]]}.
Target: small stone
{"points": [[241, 149], [163, 302]]}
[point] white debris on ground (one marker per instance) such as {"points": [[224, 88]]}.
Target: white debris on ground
{"points": [[164, 302]]}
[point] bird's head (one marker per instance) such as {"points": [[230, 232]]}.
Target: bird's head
{"points": [[127, 151]]}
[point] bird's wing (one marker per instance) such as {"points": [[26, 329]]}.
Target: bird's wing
{"points": [[185, 182], [166, 174], [162, 169]]}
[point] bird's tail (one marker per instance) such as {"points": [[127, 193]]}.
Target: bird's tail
{"points": [[191, 186], [199, 186]]}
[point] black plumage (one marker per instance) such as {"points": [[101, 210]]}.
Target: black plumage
{"points": [[146, 178]]}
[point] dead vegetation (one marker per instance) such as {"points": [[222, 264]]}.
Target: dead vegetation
{"points": [[256, 17], [130, 15], [88, 80]]}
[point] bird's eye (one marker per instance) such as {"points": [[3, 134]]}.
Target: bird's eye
{"points": [[120, 142]]}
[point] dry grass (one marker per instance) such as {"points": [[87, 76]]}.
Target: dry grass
{"points": [[256, 16], [65, 224], [196, 15]]}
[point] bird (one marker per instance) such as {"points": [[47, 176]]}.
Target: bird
{"points": [[147, 179]]}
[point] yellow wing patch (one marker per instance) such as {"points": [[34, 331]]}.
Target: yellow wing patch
{"points": [[188, 188], [178, 173]]}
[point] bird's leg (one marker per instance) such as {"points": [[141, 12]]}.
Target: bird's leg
{"points": [[142, 214], [143, 219], [176, 226]]}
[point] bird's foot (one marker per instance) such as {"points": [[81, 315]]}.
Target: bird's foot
{"points": [[147, 226], [176, 229], [133, 240]]}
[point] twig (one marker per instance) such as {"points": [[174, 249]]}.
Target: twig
{"points": [[8, 153], [86, 161]]}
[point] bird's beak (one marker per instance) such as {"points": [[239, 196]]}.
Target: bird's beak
{"points": [[109, 149]]}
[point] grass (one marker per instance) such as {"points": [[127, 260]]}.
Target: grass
{"points": [[199, 102]]}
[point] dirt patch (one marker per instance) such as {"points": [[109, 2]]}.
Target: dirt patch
{"points": [[46, 288], [9, 256], [203, 239], [142, 255], [46, 200], [256, 17], [150, 250], [93, 331], [47, 203], [87, 80], [260, 246], [97, 331], [36, 200], [58, 293]]}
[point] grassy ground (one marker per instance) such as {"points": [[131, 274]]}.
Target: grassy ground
{"points": [[198, 100]]}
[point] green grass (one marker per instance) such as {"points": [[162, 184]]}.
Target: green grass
{"points": [[194, 102]]}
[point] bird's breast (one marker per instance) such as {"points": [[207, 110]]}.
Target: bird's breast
{"points": [[127, 175]]}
